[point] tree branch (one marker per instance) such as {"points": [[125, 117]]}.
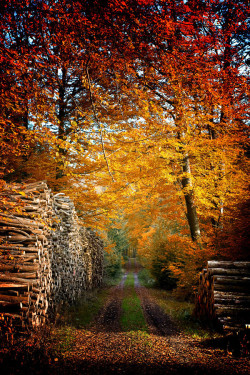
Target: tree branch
{"points": [[98, 123]]}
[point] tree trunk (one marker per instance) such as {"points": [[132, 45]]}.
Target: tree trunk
{"points": [[61, 118], [192, 217]]}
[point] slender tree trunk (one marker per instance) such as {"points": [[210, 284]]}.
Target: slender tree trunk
{"points": [[187, 188], [192, 217], [25, 117], [216, 223], [61, 119]]}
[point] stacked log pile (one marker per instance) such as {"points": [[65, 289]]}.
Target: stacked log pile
{"points": [[224, 294], [95, 252], [25, 267], [76, 253], [46, 258]]}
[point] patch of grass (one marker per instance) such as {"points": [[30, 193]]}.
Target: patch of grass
{"points": [[109, 281], [130, 281], [182, 314], [141, 338], [64, 340], [145, 278], [81, 314], [132, 318]]}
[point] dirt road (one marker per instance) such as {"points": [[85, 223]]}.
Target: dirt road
{"points": [[164, 349], [105, 349]]}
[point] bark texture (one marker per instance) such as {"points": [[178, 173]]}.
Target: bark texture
{"points": [[192, 217]]}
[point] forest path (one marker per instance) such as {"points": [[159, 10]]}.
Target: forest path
{"points": [[109, 317], [106, 349]]}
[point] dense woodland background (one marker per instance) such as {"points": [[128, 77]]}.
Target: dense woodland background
{"points": [[138, 110]]}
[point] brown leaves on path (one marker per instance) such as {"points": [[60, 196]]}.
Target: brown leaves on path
{"points": [[104, 349], [137, 352]]}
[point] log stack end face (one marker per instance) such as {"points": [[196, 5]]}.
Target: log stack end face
{"points": [[46, 258], [224, 294]]}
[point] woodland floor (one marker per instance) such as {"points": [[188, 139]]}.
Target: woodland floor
{"points": [[104, 348]]}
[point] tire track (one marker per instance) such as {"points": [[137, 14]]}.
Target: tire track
{"points": [[108, 319], [158, 321]]}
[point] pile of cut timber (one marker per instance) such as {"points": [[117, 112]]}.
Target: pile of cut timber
{"points": [[224, 294], [46, 257], [95, 245], [25, 267], [76, 253]]}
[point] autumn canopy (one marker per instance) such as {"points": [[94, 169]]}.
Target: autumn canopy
{"points": [[137, 109]]}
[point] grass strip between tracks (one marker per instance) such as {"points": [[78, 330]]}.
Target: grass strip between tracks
{"points": [[132, 318]]}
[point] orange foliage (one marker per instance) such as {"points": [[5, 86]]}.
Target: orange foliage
{"points": [[132, 107]]}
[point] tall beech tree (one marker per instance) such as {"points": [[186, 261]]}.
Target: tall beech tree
{"points": [[181, 50], [132, 98], [189, 77]]}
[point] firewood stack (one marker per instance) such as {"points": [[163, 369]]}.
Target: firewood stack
{"points": [[95, 249], [76, 256], [44, 257], [25, 267], [224, 294]]}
